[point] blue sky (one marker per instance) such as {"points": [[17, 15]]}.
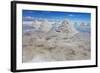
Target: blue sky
{"points": [[73, 16]]}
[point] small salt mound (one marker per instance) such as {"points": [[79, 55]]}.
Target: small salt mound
{"points": [[36, 24], [45, 26]]}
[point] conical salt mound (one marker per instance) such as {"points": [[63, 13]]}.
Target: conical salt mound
{"points": [[82, 24], [45, 26], [36, 24], [67, 27]]}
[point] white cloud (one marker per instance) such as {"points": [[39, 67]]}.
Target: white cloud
{"points": [[28, 18], [71, 15], [27, 22]]}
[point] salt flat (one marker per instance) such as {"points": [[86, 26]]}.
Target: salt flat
{"points": [[47, 44], [55, 48]]}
